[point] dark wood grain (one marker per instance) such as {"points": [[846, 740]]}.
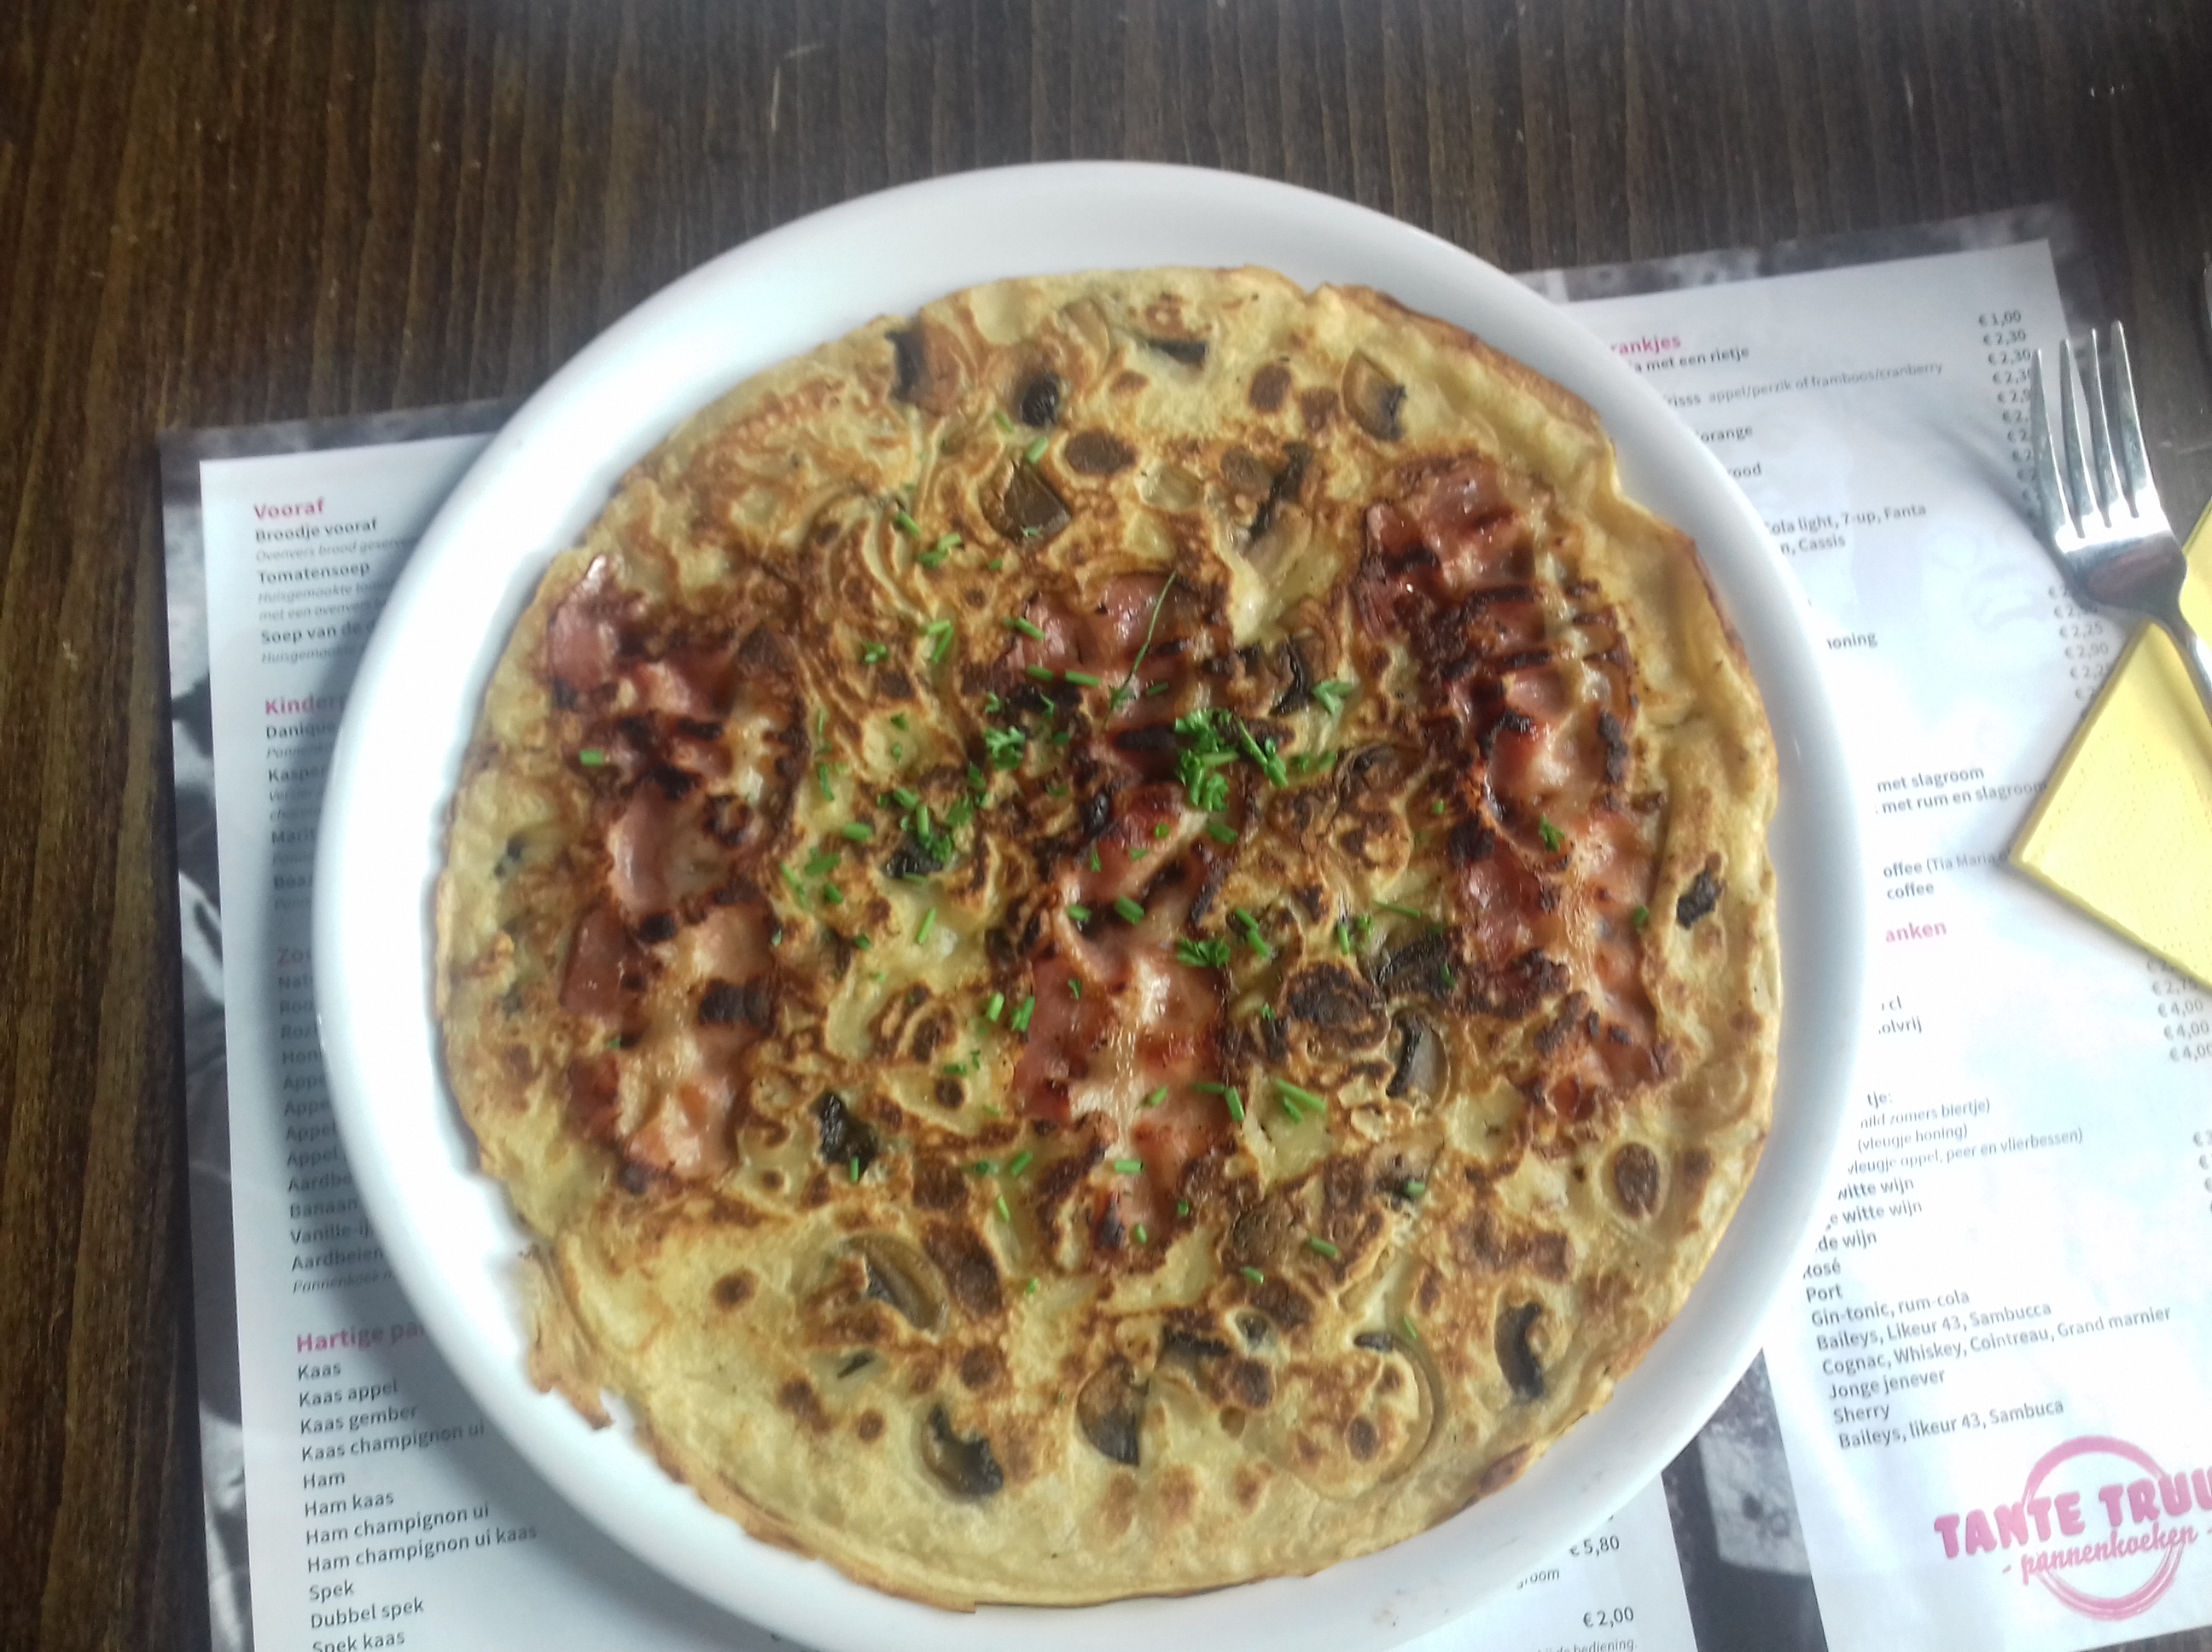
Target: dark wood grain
{"points": [[227, 212]]}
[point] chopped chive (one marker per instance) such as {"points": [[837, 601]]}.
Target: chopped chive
{"points": [[1402, 911], [1081, 915], [1019, 1163], [1082, 679], [859, 830], [1451, 977], [821, 717], [1201, 955], [1416, 1188], [1322, 1248], [798, 888], [1552, 836], [998, 417], [591, 757], [1156, 690], [1344, 937], [864, 942], [996, 1007], [1040, 673], [1020, 1023], [1157, 1096], [1333, 695], [873, 652], [905, 799], [993, 704], [1438, 807], [1142, 1237], [1236, 1104], [956, 1069], [931, 558], [1075, 987], [1129, 1167], [821, 780], [1290, 1106], [906, 525], [1220, 832], [1016, 622], [1267, 1012], [1298, 1092], [1128, 909], [939, 634], [1031, 1289], [996, 564], [832, 894], [1005, 1214], [928, 922], [1407, 1322], [1094, 858], [1252, 937], [1640, 917], [898, 752], [1254, 1274], [1063, 737], [854, 1166], [1138, 854], [946, 542], [1160, 830], [1183, 1208], [1057, 789], [1035, 450]]}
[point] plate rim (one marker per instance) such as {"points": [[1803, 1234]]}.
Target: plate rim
{"points": [[1376, 1599]]}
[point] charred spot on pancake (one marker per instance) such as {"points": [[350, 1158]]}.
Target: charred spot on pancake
{"points": [[965, 1466], [726, 1003], [798, 1397], [981, 1368], [1636, 1179], [1516, 1358], [1330, 998], [1362, 1439], [1097, 452], [1027, 508], [914, 857], [970, 1271], [1244, 471], [1374, 399], [908, 363], [1610, 735], [1702, 894], [869, 1426], [1285, 1303], [734, 1289], [1191, 352], [1250, 1384], [939, 1184], [847, 1140], [950, 1093], [1110, 1411], [1040, 399], [1270, 385], [1193, 1342]]}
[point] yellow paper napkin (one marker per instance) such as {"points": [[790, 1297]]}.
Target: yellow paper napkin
{"points": [[2124, 828]]}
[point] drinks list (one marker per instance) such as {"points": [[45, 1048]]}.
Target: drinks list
{"points": [[1986, 1375]]}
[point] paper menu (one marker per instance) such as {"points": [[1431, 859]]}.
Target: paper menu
{"points": [[1991, 1378], [378, 1508]]}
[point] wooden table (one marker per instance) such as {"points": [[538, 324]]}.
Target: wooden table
{"points": [[225, 212]]}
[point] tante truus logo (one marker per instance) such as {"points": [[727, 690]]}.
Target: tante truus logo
{"points": [[2099, 1523]]}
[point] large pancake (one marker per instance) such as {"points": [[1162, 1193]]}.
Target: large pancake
{"points": [[1117, 938]]}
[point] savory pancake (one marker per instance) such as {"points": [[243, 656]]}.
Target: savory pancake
{"points": [[1117, 938]]}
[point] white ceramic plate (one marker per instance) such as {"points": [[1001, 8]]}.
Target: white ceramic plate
{"points": [[448, 1231]]}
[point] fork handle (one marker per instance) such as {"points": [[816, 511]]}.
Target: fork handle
{"points": [[2195, 654]]}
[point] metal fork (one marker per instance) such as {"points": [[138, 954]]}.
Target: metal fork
{"points": [[2100, 515]]}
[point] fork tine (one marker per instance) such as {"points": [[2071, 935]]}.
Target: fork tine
{"points": [[2076, 472], [2050, 507], [2101, 473], [2120, 400]]}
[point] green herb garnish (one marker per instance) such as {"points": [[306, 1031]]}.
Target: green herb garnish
{"points": [[1322, 1248], [1035, 450], [1020, 1023], [1254, 1274], [1005, 746], [906, 525], [1129, 1167], [1129, 909], [1081, 679], [1201, 955], [939, 634], [854, 1167], [1019, 1163], [1081, 915], [832, 894], [1415, 1188], [591, 757], [928, 922], [1333, 695], [1253, 938], [1403, 911], [1016, 622], [1552, 836], [996, 1007], [859, 830], [1303, 1096], [1005, 1214], [1640, 917], [1155, 1097], [1220, 832]]}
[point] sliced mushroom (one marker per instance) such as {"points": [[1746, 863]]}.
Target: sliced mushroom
{"points": [[1700, 898], [1516, 1354], [1299, 695], [1374, 399], [845, 1138], [1420, 1067], [1171, 488], [1029, 509], [898, 1274], [1110, 1411], [1420, 965], [1040, 402], [965, 1467]]}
